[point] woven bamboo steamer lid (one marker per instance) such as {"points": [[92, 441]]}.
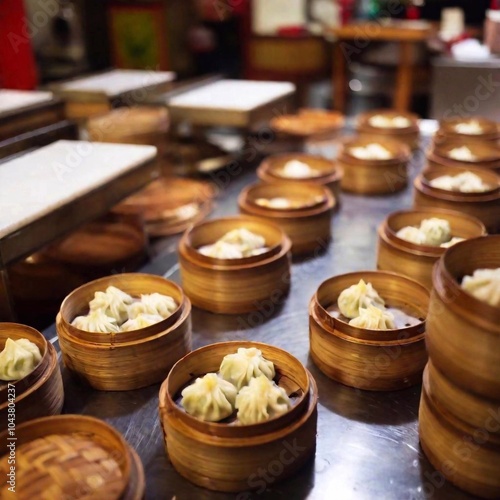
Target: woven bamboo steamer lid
{"points": [[72, 456]]}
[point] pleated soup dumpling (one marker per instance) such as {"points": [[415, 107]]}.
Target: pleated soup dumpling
{"points": [[113, 302], [261, 400], [373, 318], [412, 235], [154, 304], [18, 359], [239, 368], [437, 231], [142, 320], [97, 321], [209, 398], [358, 297], [245, 240], [484, 285]]}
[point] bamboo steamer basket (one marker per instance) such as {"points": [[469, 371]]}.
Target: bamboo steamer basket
{"points": [[487, 155], [132, 125], [475, 411], [417, 261], [309, 123], [73, 456], [467, 456], [308, 227], [375, 360], [463, 333], [331, 174], [38, 394], [126, 360], [447, 130], [374, 177], [161, 201], [484, 206], [223, 457], [409, 135], [234, 286]]}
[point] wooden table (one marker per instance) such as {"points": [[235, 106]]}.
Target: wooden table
{"points": [[46, 193], [353, 38]]}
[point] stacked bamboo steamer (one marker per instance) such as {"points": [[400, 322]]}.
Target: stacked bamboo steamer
{"points": [[459, 409]]}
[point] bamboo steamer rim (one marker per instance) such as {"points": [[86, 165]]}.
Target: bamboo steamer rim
{"points": [[91, 426], [491, 128], [422, 183], [282, 247], [247, 196], [387, 230], [401, 152], [365, 336], [308, 123], [33, 378], [224, 434], [268, 167], [132, 337], [483, 151], [363, 122], [446, 285]]}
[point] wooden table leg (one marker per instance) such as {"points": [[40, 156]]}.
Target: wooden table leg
{"points": [[339, 78], [404, 80], [6, 304]]}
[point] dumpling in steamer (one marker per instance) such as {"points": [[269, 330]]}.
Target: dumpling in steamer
{"points": [[221, 250], [209, 398], [114, 302], [412, 235], [261, 400], [141, 321], [484, 285], [357, 297], [239, 368], [437, 231], [156, 304], [18, 359], [244, 239], [96, 322], [373, 318]]}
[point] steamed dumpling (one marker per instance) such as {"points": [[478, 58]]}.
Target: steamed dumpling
{"points": [[276, 203], [466, 182], [384, 121], [261, 400], [452, 242], [235, 244], [239, 368], [484, 284], [141, 321], [373, 318], [97, 321], [472, 127], [437, 231], [412, 235], [18, 359], [113, 302], [296, 169], [156, 304], [357, 297], [209, 398], [371, 152], [462, 153]]}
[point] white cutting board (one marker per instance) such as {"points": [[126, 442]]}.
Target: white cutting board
{"points": [[39, 182], [232, 95], [117, 81], [13, 100]]}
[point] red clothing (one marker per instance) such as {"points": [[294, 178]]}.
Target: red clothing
{"points": [[17, 62]]}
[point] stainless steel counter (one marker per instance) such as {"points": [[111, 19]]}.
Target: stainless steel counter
{"points": [[367, 444]]}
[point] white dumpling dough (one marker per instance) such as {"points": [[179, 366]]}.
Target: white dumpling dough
{"points": [[484, 285], [18, 359], [373, 318], [357, 297]]}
